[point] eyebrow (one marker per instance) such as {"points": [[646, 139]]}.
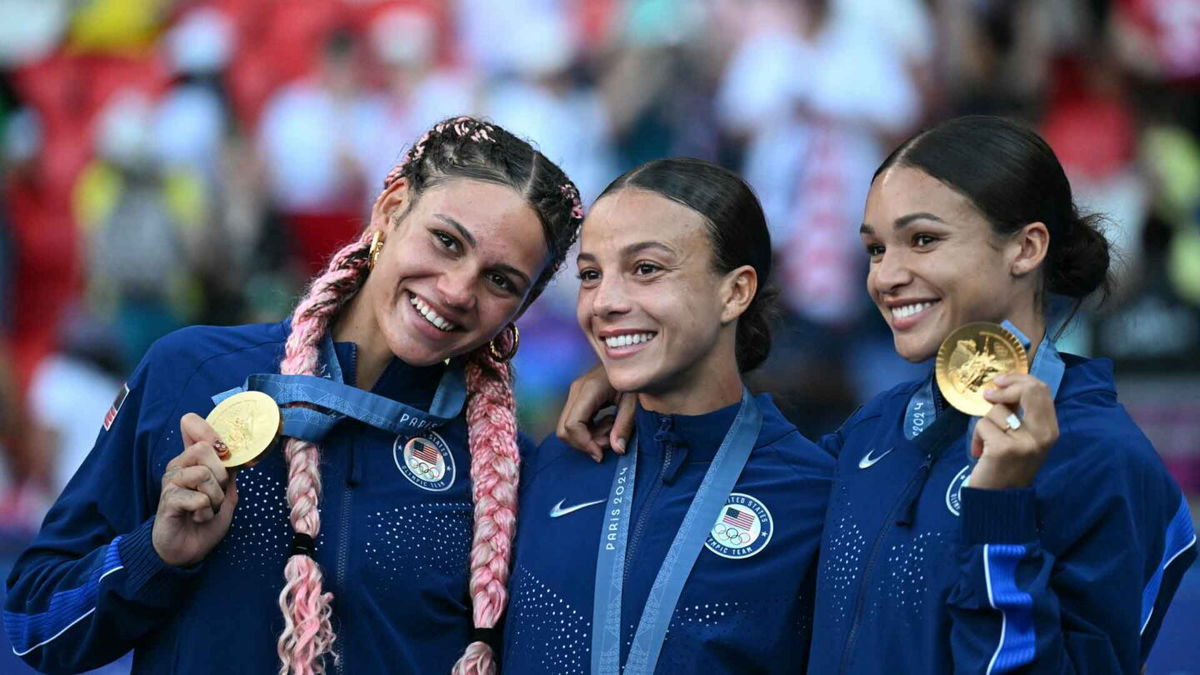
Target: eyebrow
{"points": [[631, 249], [462, 231], [902, 222], [470, 239]]}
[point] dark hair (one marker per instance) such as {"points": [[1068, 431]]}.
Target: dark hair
{"points": [[737, 230], [1013, 177], [466, 147]]}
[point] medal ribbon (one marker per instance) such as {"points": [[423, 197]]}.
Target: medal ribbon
{"points": [[339, 400], [706, 506]]}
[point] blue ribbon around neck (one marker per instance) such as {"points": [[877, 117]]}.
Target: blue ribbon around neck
{"points": [[338, 400], [706, 507]]}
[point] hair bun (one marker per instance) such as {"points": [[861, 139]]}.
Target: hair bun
{"points": [[1081, 260]]}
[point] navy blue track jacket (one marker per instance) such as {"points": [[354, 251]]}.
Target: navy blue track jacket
{"points": [[394, 549], [1072, 575], [746, 607]]}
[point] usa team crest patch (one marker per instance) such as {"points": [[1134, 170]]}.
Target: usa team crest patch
{"points": [[425, 461], [116, 406], [954, 492], [743, 528]]}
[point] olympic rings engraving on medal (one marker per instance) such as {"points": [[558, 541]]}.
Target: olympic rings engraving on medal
{"points": [[425, 461], [743, 528]]}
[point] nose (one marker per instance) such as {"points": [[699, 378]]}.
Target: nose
{"points": [[890, 273], [456, 287], [609, 297]]}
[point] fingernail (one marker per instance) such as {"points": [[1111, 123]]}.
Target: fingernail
{"points": [[620, 446], [597, 458], [1001, 380], [222, 450]]}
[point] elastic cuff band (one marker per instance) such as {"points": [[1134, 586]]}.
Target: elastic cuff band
{"points": [[999, 516]]}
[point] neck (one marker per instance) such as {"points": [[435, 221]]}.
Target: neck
{"points": [[355, 325], [697, 391], [1030, 322]]}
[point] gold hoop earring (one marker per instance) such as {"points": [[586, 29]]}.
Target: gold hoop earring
{"points": [[514, 342], [376, 247]]}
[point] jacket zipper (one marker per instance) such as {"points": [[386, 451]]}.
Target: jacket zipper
{"points": [[863, 583], [645, 507]]}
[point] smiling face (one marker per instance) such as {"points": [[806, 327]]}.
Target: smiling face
{"points": [[653, 307], [936, 263], [453, 271]]}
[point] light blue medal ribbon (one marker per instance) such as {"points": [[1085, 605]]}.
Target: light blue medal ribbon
{"points": [[338, 400], [706, 506], [1047, 366]]}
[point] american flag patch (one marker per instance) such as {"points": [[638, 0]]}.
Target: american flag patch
{"points": [[424, 451], [738, 518], [116, 406]]}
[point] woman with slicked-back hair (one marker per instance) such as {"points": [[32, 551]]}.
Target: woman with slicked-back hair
{"points": [[377, 537], [1043, 536], [696, 551]]}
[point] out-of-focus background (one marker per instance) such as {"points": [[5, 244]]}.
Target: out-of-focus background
{"points": [[164, 163]]}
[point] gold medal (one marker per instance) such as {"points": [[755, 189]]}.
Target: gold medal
{"points": [[970, 358], [248, 423]]}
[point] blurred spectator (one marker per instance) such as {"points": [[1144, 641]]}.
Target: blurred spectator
{"points": [[319, 138], [140, 220], [70, 394]]}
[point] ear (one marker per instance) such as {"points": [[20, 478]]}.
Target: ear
{"points": [[1031, 244], [391, 202], [737, 292]]}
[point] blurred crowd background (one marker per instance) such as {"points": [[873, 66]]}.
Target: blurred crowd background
{"points": [[164, 163]]}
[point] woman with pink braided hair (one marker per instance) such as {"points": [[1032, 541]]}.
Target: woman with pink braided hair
{"points": [[392, 374]]}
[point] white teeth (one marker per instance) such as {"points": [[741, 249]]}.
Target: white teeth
{"points": [[430, 315], [627, 340], [908, 310]]}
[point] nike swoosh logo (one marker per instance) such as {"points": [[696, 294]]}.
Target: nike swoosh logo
{"points": [[868, 461], [558, 511]]}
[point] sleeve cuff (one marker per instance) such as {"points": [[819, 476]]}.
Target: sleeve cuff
{"points": [[999, 516], [146, 573]]}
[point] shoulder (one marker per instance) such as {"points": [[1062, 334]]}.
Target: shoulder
{"points": [[196, 345], [884, 405], [204, 357], [1100, 448], [783, 438], [553, 457]]}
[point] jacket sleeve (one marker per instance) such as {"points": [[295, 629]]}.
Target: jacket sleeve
{"points": [[91, 585], [1073, 575]]}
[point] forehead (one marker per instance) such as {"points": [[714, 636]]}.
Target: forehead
{"points": [[900, 191], [633, 215], [502, 222]]}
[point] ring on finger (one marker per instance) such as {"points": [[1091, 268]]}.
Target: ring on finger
{"points": [[1012, 422]]}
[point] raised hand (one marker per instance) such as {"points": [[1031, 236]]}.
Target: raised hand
{"points": [[1010, 448], [198, 496]]}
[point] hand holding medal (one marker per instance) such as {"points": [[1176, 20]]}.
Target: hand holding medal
{"points": [[983, 370]]}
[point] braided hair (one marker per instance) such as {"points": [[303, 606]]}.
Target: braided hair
{"points": [[462, 147]]}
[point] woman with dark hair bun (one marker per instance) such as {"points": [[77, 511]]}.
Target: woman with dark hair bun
{"points": [[1045, 536], [708, 526], [1048, 538]]}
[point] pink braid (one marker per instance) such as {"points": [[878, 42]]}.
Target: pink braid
{"points": [[307, 633], [495, 461]]}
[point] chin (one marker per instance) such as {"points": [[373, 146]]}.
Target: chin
{"points": [[915, 352]]}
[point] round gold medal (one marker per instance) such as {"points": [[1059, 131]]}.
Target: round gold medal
{"points": [[970, 358], [248, 423]]}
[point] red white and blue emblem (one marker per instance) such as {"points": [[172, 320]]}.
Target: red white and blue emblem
{"points": [[425, 461], [743, 528]]}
